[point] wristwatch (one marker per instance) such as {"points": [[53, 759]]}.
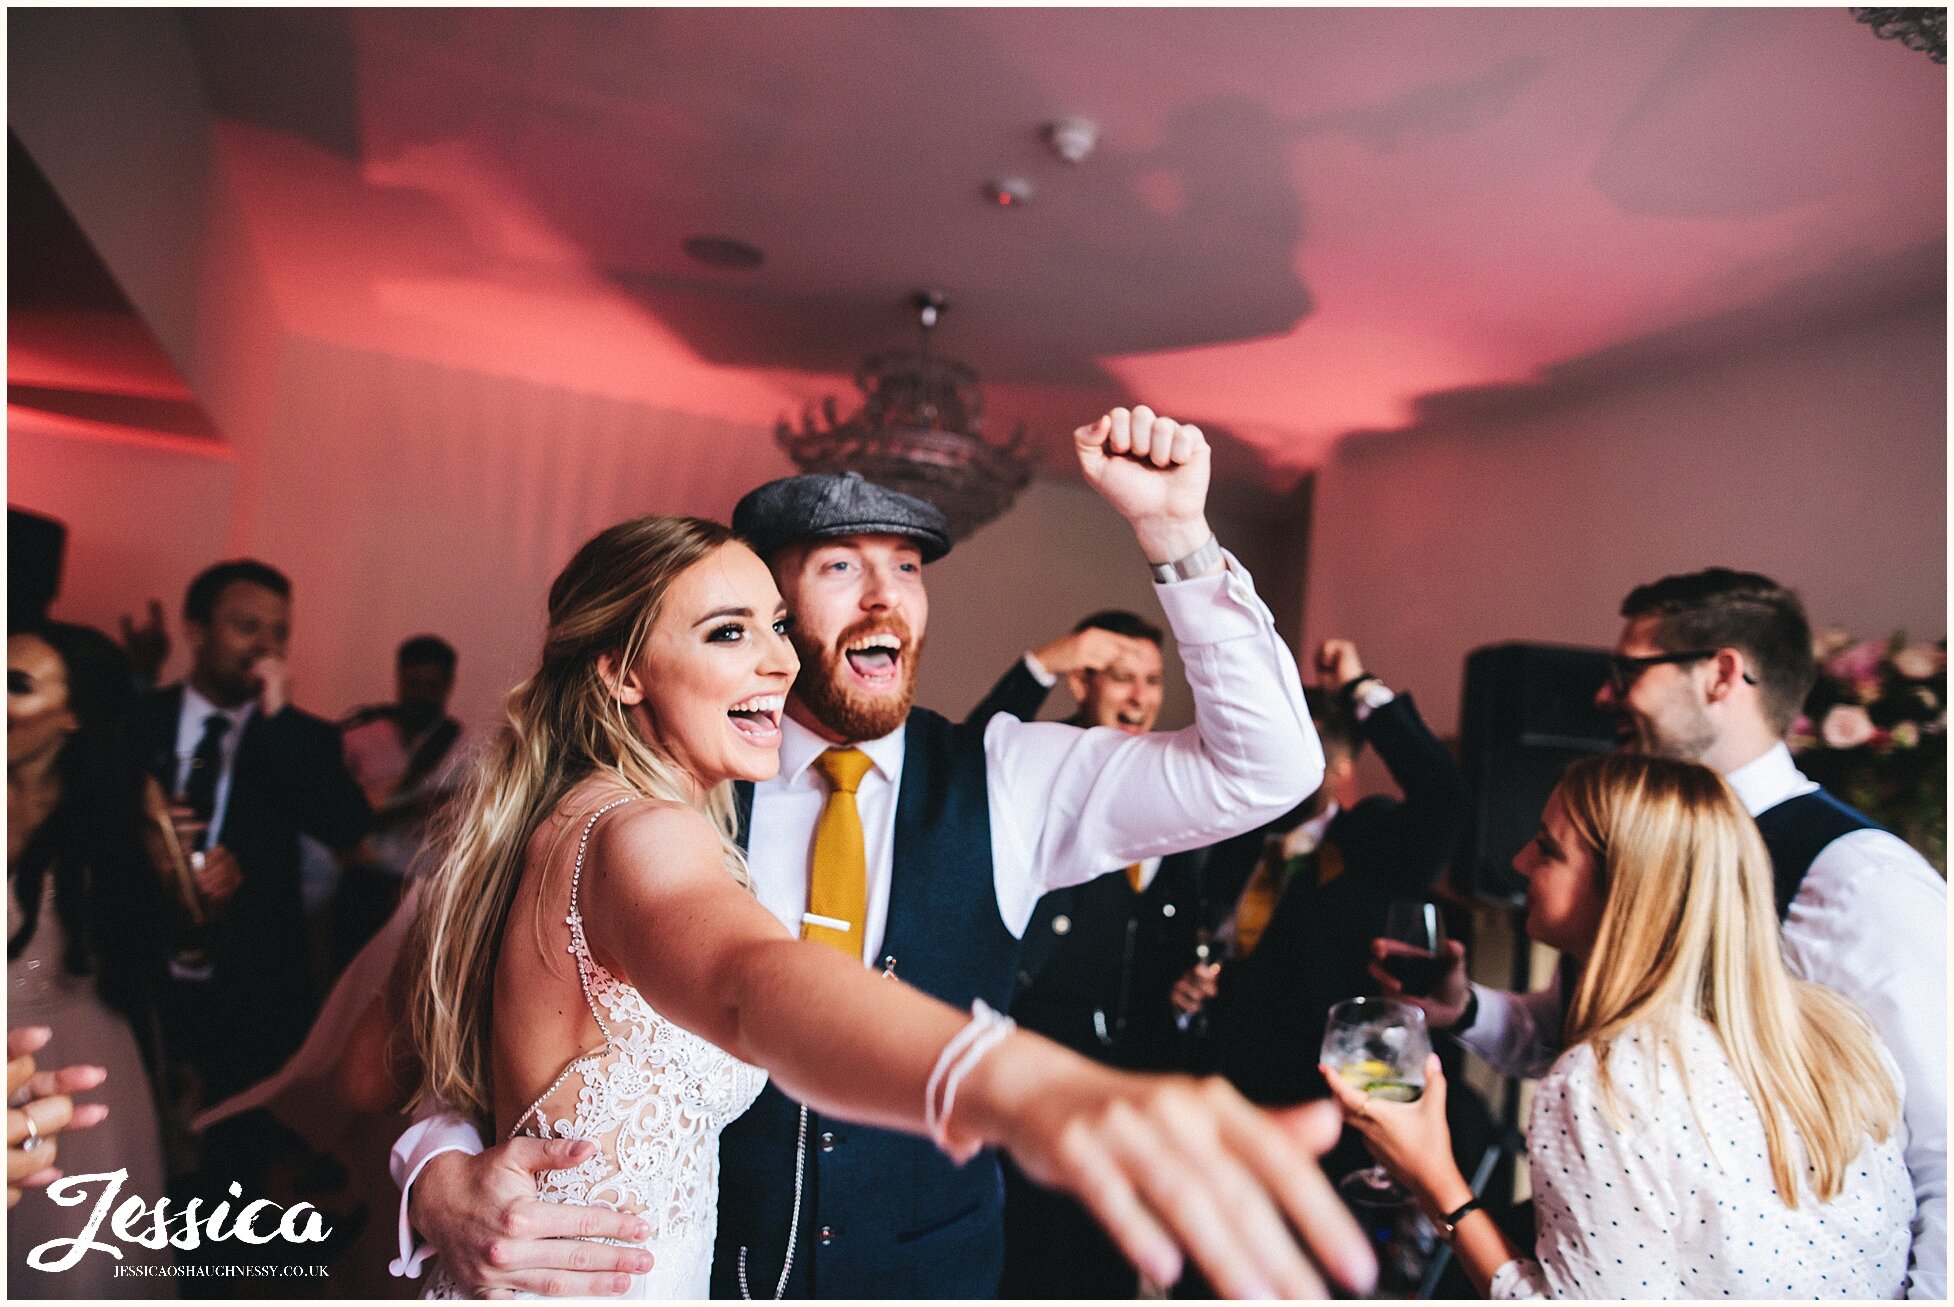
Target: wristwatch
{"points": [[1187, 568], [1448, 1224]]}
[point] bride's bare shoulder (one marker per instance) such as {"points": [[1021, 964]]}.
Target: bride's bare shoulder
{"points": [[636, 834]]}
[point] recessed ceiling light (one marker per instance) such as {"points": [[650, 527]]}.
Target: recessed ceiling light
{"points": [[723, 252], [1008, 192]]}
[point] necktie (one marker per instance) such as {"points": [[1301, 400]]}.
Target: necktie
{"points": [[838, 887], [200, 790], [1136, 876], [1259, 899]]}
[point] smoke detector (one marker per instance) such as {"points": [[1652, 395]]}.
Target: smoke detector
{"points": [[1072, 139]]}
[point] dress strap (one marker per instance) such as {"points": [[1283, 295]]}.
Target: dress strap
{"points": [[579, 949]]}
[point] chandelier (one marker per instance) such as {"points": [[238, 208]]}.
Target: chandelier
{"points": [[1916, 29], [920, 430]]}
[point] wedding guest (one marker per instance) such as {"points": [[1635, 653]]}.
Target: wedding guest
{"points": [[84, 949], [1715, 1128], [1106, 665], [253, 771], [1310, 890], [961, 830], [1713, 667], [406, 758], [1091, 949]]}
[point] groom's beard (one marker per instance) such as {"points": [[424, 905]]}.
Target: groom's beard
{"points": [[828, 689]]}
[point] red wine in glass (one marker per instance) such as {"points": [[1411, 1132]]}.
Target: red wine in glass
{"points": [[1419, 923]]}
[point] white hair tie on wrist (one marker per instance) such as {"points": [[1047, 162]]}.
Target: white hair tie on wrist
{"points": [[986, 1030]]}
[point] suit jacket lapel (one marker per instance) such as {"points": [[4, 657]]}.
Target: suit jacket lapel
{"points": [[743, 812], [160, 713]]}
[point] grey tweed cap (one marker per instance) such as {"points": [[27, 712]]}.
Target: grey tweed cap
{"points": [[821, 505]]}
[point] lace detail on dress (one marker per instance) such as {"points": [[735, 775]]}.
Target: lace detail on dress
{"points": [[653, 1098]]}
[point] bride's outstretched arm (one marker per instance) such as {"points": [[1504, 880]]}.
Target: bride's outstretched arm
{"points": [[1166, 1163]]}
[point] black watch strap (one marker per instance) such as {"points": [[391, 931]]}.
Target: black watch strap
{"points": [[1466, 1017], [1448, 1224], [1349, 692]]}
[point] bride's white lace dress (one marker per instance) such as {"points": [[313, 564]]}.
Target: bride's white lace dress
{"points": [[653, 1099]]}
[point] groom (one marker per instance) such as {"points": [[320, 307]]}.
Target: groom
{"points": [[957, 832]]}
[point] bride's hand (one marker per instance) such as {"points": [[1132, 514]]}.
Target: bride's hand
{"points": [[1169, 1163]]}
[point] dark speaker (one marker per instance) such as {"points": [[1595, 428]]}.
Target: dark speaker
{"points": [[35, 545], [1526, 712]]}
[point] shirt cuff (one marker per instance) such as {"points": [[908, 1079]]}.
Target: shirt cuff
{"points": [[423, 1142], [1038, 672], [1371, 696], [1213, 608]]}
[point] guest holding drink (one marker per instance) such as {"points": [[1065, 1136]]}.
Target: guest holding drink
{"points": [[249, 771], [83, 960], [1715, 1127], [1297, 902]]}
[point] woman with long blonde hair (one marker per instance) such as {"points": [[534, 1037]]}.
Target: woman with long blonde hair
{"points": [[1715, 1127], [591, 965]]}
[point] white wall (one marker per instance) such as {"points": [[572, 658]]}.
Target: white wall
{"points": [[1058, 554], [142, 519], [1823, 464]]}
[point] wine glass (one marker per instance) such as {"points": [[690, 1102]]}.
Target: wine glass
{"points": [[1419, 923], [1378, 1045]]}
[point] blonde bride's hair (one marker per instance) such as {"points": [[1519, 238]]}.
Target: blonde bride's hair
{"points": [[1689, 927], [565, 723]]}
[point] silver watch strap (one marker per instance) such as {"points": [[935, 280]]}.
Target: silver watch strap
{"points": [[1182, 569]]}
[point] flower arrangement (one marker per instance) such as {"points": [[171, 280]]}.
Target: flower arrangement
{"points": [[1874, 732]]}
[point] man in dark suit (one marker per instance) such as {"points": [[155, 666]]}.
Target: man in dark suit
{"points": [[1302, 899], [1091, 949], [248, 772]]}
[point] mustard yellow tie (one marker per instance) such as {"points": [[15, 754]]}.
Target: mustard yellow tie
{"points": [[838, 887], [1136, 877], [1258, 902]]}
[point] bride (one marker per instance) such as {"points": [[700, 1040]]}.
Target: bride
{"points": [[591, 966]]}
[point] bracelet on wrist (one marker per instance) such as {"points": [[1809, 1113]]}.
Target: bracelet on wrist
{"points": [[1448, 1224], [987, 1029], [1469, 1015]]}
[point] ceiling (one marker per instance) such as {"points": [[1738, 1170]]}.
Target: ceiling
{"points": [[1298, 224]]}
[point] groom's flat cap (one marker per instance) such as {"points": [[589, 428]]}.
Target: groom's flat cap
{"points": [[823, 505]]}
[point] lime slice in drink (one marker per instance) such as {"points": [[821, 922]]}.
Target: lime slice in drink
{"points": [[1362, 1073], [1394, 1091]]}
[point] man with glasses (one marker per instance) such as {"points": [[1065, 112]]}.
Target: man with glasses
{"points": [[1713, 667]]}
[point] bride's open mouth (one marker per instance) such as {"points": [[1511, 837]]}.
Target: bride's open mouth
{"points": [[757, 719], [875, 661]]}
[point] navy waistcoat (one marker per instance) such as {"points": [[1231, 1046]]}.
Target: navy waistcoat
{"points": [[1797, 831], [885, 1215]]}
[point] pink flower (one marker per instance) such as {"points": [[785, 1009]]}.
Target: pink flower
{"points": [[1917, 662], [1859, 663], [1846, 727]]}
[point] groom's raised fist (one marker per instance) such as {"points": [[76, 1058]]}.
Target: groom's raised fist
{"points": [[1154, 470]]}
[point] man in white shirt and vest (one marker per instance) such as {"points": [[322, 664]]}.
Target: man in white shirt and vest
{"points": [[960, 830], [1713, 667]]}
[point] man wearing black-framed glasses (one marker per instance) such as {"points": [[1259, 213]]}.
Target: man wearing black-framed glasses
{"points": [[1713, 667]]}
